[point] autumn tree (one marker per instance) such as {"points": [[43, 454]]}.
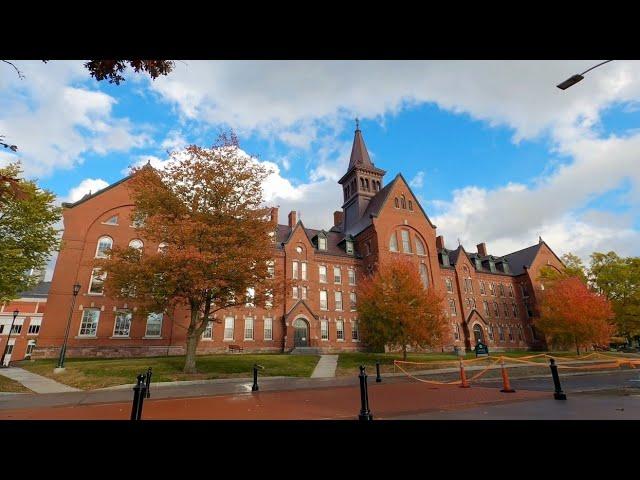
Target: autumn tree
{"points": [[395, 309], [618, 279], [572, 314], [205, 211], [27, 230]]}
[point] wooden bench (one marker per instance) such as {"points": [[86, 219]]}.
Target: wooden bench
{"points": [[235, 348]]}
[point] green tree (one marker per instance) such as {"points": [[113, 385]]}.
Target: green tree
{"points": [[619, 280], [573, 267], [27, 232]]}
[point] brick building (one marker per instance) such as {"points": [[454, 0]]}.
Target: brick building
{"points": [[30, 307], [488, 297]]}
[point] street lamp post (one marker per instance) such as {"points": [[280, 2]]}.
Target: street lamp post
{"points": [[6, 347], [63, 350], [572, 80]]}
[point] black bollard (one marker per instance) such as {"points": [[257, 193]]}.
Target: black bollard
{"points": [[365, 414], [254, 388], [148, 383], [138, 397], [378, 377], [558, 394]]}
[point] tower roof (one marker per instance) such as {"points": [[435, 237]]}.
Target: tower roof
{"points": [[359, 154]]}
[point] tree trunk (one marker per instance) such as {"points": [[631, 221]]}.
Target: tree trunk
{"points": [[404, 353], [190, 359]]}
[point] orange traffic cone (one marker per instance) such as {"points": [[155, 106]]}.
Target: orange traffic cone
{"points": [[463, 377], [506, 386]]}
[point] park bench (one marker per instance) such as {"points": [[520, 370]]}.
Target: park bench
{"points": [[235, 348]]}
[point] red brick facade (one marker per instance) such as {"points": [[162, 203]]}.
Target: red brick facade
{"points": [[30, 308], [318, 263]]}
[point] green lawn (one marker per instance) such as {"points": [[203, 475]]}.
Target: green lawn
{"points": [[8, 385], [348, 363], [93, 373]]}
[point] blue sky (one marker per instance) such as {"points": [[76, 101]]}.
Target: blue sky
{"points": [[493, 150]]}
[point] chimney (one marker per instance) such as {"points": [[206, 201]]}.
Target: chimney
{"points": [[293, 218], [440, 242], [274, 215], [338, 216], [482, 249]]}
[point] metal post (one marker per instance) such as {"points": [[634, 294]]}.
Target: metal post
{"points": [[63, 350], [558, 394], [148, 382], [254, 387], [378, 377], [6, 347], [365, 414], [138, 397]]}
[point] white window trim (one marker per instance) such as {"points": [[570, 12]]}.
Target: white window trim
{"points": [[95, 335], [115, 322], [147, 325], [264, 330], [89, 292], [233, 330], [253, 332], [98, 246]]}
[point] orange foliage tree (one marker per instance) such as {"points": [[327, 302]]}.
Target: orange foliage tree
{"points": [[395, 309], [205, 211], [572, 314]]}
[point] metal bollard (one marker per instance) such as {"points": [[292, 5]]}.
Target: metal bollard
{"points": [[138, 398], [365, 414], [558, 394], [254, 387], [378, 377], [148, 383]]}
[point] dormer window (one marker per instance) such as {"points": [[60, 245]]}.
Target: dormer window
{"points": [[322, 242], [349, 244]]}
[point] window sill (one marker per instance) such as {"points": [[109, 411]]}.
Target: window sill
{"points": [[340, 340], [206, 339], [355, 341], [324, 339], [121, 337], [152, 337], [95, 294], [249, 340], [228, 340], [82, 337], [32, 334]]}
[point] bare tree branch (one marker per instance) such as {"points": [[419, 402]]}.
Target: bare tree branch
{"points": [[20, 75]]}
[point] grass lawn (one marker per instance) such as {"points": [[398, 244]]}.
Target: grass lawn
{"points": [[8, 385], [348, 363], [93, 373]]}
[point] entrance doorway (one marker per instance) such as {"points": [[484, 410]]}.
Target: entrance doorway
{"points": [[301, 333], [478, 333]]}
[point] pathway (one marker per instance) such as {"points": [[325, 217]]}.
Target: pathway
{"points": [[37, 383], [326, 367]]}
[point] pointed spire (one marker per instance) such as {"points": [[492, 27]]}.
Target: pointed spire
{"points": [[540, 239], [359, 154]]}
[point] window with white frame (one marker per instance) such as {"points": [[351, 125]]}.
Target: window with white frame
{"points": [[511, 291], [393, 242], [295, 269], [338, 299], [89, 323], [352, 276], [352, 300], [485, 307], [268, 328], [268, 299], [162, 247], [452, 306], [322, 272], [136, 243], [492, 289], [337, 275], [10, 345], [501, 288], [449, 284], [324, 330], [420, 247], [16, 328], [207, 334], [456, 331], [248, 328], [322, 243], [122, 325], [96, 284], [31, 344], [271, 268], [482, 289], [496, 309], [34, 326], [228, 328], [111, 220], [469, 284], [323, 300], [424, 275], [490, 329], [355, 334], [304, 293], [295, 291], [406, 242], [250, 296], [340, 330], [104, 244], [500, 333], [304, 270], [154, 325]]}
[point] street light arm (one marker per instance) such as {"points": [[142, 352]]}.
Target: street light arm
{"points": [[606, 61]]}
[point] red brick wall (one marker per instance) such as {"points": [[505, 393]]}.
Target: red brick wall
{"points": [[30, 311]]}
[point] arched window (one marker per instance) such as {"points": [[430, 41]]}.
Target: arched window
{"points": [[403, 202], [424, 275], [477, 333], [162, 247], [419, 247], [104, 243], [396, 202], [410, 205], [366, 181], [393, 242], [362, 183], [137, 244]]}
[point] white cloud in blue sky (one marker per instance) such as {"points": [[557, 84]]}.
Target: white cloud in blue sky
{"points": [[495, 150]]}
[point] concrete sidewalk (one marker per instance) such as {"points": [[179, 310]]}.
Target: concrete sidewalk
{"points": [[36, 383], [326, 367]]}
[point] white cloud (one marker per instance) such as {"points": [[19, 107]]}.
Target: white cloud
{"points": [[88, 185], [418, 180], [55, 121]]}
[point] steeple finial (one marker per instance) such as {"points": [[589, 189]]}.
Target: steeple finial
{"points": [[357, 124]]}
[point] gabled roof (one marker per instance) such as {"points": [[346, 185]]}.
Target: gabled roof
{"points": [[522, 258], [305, 304]]}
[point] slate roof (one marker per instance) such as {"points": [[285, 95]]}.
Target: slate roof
{"points": [[517, 260], [333, 240]]}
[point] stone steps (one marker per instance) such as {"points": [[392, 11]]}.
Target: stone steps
{"points": [[305, 351]]}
